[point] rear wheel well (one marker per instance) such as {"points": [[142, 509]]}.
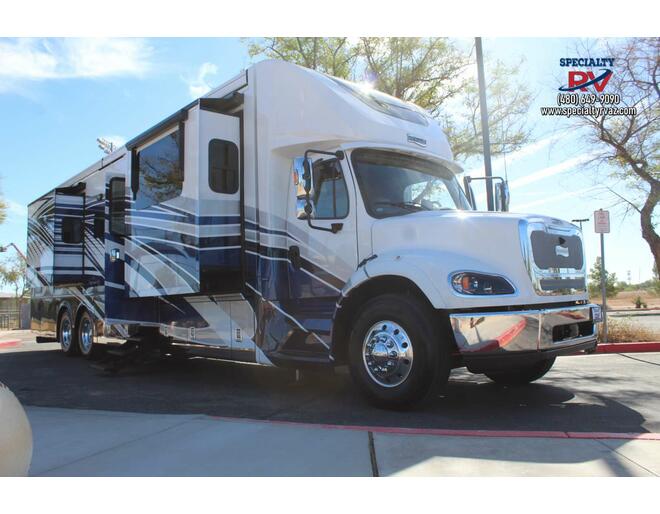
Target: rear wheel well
{"points": [[351, 304]]}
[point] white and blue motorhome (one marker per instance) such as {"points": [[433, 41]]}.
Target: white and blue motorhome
{"points": [[289, 218]]}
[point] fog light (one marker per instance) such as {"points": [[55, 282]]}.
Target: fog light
{"points": [[467, 282]]}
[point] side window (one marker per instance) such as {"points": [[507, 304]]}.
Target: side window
{"points": [[160, 171], [117, 206], [99, 225], [223, 166], [71, 230], [330, 196]]}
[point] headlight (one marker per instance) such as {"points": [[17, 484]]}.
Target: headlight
{"points": [[468, 282]]}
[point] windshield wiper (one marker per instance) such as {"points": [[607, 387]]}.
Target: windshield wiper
{"points": [[405, 205]]}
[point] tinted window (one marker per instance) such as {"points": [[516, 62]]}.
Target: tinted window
{"points": [[223, 166], [99, 225], [160, 171], [117, 206], [71, 230], [330, 196]]}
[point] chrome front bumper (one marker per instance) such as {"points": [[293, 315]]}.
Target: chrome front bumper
{"points": [[485, 333]]}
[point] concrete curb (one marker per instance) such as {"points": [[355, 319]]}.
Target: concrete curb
{"points": [[636, 347], [633, 314]]}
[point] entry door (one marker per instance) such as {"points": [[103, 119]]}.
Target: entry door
{"points": [[183, 227], [68, 266], [219, 239]]}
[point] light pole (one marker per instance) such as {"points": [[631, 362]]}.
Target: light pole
{"points": [[484, 123]]}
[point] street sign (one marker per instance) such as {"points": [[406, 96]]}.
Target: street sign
{"points": [[602, 221]]}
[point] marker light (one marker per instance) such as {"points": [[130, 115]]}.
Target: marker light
{"points": [[467, 282]]}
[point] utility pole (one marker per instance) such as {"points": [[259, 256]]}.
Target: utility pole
{"points": [[580, 221], [484, 124]]}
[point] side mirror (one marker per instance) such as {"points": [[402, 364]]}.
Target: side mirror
{"points": [[302, 179], [502, 197]]}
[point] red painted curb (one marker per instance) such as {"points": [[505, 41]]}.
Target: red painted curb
{"points": [[639, 347], [456, 432], [10, 344]]}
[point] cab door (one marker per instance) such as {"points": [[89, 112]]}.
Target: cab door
{"points": [[321, 261]]}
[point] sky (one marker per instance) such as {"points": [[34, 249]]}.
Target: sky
{"points": [[58, 95]]}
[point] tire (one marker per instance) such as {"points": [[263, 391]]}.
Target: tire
{"points": [[65, 335], [409, 328], [523, 375], [85, 335]]}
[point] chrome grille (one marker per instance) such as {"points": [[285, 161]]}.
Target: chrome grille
{"points": [[553, 253]]}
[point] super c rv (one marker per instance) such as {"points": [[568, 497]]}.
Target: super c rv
{"points": [[289, 218]]}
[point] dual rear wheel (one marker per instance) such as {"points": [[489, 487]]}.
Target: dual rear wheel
{"points": [[77, 340]]}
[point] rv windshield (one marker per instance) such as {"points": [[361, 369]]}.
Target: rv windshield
{"points": [[393, 184]]}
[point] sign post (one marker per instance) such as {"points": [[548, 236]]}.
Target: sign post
{"points": [[602, 226]]}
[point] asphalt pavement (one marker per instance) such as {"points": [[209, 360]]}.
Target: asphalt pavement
{"points": [[592, 415], [587, 393]]}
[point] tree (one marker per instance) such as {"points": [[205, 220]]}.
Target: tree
{"points": [[333, 55], [629, 144], [611, 282], [434, 73], [12, 273], [654, 283]]}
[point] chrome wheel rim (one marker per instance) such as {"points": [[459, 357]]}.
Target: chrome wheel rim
{"points": [[86, 335], [65, 334], [387, 353]]}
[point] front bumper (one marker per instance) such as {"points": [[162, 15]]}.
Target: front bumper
{"points": [[541, 332]]}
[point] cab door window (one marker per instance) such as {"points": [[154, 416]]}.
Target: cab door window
{"points": [[329, 195]]}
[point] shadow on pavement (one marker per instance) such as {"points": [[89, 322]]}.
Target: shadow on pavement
{"points": [[199, 386]]}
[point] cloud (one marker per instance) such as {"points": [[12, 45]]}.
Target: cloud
{"points": [[525, 151], [199, 85], [16, 212], [550, 171], [32, 60], [542, 174], [554, 198], [16, 208]]}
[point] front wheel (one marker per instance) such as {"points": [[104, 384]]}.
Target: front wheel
{"points": [[523, 375], [397, 355]]}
